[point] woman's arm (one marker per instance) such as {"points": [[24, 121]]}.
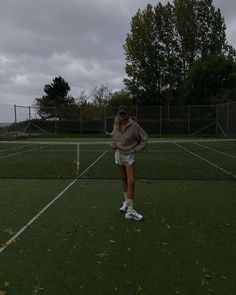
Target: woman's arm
{"points": [[142, 138]]}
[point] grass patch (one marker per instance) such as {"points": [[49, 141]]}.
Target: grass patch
{"points": [[82, 244]]}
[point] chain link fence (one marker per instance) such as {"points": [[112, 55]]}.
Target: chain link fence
{"points": [[190, 120]]}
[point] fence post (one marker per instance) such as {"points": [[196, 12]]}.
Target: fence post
{"points": [[216, 119], [15, 119], [104, 118], [81, 123], [136, 113], [189, 119], [55, 127], [29, 121], [227, 130], [160, 119]]}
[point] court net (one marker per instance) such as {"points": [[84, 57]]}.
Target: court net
{"points": [[212, 159]]}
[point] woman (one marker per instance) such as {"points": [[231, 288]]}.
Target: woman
{"points": [[128, 138]]}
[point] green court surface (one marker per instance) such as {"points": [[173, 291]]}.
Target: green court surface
{"points": [[162, 160], [82, 244]]}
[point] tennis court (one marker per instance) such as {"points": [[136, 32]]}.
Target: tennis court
{"points": [[62, 232]]}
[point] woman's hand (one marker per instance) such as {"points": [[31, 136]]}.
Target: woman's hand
{"points": [[113, 146]]}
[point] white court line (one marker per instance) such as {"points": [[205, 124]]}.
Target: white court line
{"points": [[9, 242], [211, 149], [209, 162], [15, 148], [19, 153]]}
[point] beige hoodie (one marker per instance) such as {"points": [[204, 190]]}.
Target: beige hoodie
{"points": [[132, 139]]}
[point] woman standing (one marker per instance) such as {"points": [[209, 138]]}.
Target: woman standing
{"points": [[128, 138]]}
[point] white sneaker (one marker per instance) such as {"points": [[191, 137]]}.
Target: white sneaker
{"points": [[124, 207], [132, 214]]}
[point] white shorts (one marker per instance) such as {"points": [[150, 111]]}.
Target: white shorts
{"points": [[124, 159]]}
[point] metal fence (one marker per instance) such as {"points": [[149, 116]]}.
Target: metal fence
{"points": [[97, 120]]}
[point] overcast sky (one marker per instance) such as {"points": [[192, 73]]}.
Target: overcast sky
{"points": [[81, 40]]}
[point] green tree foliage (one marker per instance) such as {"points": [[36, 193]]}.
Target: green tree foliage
{"points": [[211, 81], [121, 97], [56, 96], [103, 100], [165, 41]]}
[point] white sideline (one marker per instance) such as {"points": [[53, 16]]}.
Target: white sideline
{"points": [[209, 162], [214, 150], [14, 148], [9, 242], [19, 153]]}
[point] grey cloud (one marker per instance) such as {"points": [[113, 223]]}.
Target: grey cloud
{"points": [[80, 40]]}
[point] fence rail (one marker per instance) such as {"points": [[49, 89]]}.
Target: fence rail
{"points": [[156, 120]]}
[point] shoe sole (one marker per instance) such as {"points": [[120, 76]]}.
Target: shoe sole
{"points": [[136, 219]]}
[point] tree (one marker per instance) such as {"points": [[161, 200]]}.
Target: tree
{"points": [[201, 28], [210, 81], [121, 97], [55, 99], [165, 41], [101, 95]]}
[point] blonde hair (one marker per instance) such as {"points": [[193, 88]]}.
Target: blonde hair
{"points": [[118, 122]]}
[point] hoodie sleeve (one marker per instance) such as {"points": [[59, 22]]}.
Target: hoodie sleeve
{"points": [[142, 139]]}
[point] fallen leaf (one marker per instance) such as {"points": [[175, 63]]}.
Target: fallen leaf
{"points": [[207, 276], [167, 226], [163, 244], [139, 288], [9, 231], [3, 293], [103, 254], [71, 231], [228, 224], [36, 290], [134, 230], [146, 180], [7, 284]]}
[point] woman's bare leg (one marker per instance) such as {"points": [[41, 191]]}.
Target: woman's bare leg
{"points": [[130, 172], [124, 177]]}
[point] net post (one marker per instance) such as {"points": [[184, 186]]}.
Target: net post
{"points": [[78, 159]]}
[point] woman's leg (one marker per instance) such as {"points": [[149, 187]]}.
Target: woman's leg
{"points": [[131, 213], [124, 178], [130, 172]]}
